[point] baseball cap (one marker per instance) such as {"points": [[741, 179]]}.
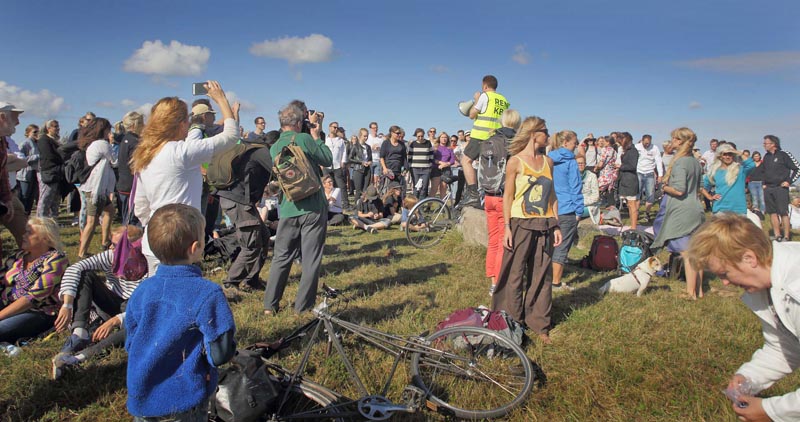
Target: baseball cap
{"points": [[201, 109], [4, 106]]}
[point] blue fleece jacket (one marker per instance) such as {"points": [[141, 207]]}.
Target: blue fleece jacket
{"points": [[171, 319], [567, 181]]}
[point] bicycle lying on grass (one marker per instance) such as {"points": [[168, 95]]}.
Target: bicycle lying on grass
{"points": [[466, 372], [430, 220]]}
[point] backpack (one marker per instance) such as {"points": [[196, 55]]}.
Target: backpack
{"points": [[492, 164], [227, 168], [483, 317], [635, 249], [245, 391], [295, 173], [603, 254], [77, 169]]}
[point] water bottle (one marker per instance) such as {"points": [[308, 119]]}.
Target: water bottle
{"points": [[745, 388], [9, 349]]}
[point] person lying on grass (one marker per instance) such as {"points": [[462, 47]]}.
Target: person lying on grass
{"points": [[81, 285], [739, 253]]}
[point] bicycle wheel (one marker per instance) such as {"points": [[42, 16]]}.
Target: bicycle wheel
{"points": [[428, 222], [308, 401], [473, 372]]}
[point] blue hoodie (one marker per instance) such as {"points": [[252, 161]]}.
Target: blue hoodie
{"points": [[567, 180]]}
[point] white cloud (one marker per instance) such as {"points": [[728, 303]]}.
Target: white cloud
{"points": [[144, 110], [174, 59], [40, 104], [127, 103], [440, 68], [521, 54], [244, 104], [314, 48], [694, 105], [753, 63]]}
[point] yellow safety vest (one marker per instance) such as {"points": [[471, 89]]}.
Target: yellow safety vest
{"points": [[489, 121]]}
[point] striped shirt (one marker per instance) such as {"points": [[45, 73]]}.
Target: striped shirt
{"points": [[420, 154], [100, 262]]}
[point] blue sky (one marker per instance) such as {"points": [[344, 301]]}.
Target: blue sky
{"points": [[727, 69]]}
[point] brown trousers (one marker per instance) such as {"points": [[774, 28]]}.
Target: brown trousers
{"points": [[524, 289]]}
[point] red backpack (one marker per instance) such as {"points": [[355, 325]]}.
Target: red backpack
{"points": [[603, 254]]}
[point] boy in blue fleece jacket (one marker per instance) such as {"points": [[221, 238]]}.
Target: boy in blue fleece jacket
{"points": [[179, 325]]}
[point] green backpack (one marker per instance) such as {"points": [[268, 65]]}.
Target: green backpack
{"points": [[226, 168]]}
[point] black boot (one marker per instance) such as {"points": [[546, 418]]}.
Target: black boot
{"points": [[471, 198]]}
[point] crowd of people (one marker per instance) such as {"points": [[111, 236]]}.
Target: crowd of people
{"points": [[157, 177]]}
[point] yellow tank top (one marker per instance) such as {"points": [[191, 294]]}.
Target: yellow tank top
{"points": [[534, 195]]}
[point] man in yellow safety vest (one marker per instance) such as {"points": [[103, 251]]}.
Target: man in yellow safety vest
{"points": [[487, 110]]}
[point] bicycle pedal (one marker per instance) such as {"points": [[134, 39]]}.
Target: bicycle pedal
{"points": [[413, 397]]}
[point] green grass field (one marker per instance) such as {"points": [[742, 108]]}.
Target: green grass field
{"points": [[613, 358]]}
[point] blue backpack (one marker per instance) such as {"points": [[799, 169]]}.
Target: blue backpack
{"points": [[635, 249]]}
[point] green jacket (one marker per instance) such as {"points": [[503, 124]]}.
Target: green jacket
{"points": [[320, 155]]}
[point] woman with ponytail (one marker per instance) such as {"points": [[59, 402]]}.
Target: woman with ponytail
{"points": [[681, 212], [167, 168]]}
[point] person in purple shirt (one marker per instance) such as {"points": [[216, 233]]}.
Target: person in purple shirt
{"points": [[443, 159]]}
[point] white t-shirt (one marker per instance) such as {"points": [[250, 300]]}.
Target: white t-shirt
{"points": [[482, 103], [375, 143], [649, 160], [338, 151]]}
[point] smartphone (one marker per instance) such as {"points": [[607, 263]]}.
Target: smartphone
{"points": [[199, 88]]}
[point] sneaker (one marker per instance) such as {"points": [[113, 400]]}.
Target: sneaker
{"points": [[60, 362], [372, 230], [779, 239], [75, 344], [231, 294], [562, 287]]}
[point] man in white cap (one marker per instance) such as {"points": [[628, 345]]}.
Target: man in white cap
{"points": [[12, 212]]}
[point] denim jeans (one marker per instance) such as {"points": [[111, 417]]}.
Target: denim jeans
{"points": [[647, 187], [26, 324], [757, 195], [421, 182]]}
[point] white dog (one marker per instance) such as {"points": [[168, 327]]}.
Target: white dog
{"points": [[635, 281]]}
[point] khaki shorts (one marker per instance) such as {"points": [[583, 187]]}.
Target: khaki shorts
{"points": [[94, 210]]}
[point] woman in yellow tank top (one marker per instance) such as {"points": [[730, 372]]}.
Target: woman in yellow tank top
{"points": [[530, 210]]}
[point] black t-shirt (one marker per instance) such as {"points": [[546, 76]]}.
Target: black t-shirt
{"points": [[394, 155], [388, 204]]}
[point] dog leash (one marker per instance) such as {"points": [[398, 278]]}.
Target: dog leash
{"points": [[633, 273]]}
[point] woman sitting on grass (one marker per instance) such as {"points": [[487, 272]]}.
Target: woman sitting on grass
{"points": [[82, 284], [334, 197], [373, 213], [28, 292]]}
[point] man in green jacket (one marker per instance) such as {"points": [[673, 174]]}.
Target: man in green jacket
{"points": [[303, 224]]}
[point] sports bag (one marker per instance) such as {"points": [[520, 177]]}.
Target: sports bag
{"points": [[635, 249], [226, 169], [484, 317], [602, 254], [129, 262], [245, 391], [492, 164], [295, 173], [77, 169]]}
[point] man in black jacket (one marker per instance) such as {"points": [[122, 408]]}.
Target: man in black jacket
{"points": [[52, 184], [253, 170], [780, 171]]}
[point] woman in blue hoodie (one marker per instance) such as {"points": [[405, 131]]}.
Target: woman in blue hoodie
{"points": [[569, 192]]}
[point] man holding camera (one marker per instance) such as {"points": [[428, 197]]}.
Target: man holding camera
{"points": [[489, 106], [303, 224]]}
